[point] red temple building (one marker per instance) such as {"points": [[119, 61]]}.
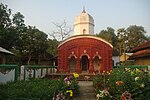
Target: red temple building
{"points": [[84, 52]]}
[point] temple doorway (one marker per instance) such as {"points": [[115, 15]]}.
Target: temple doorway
{"points": [[84, 63]]}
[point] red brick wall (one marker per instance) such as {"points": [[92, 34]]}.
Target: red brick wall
{"points": [[84, 46]]}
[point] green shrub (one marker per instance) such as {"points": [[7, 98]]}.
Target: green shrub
{"points": [[39, 89], [29, 89]]}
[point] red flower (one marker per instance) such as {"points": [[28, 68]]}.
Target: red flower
{"points": [[123, 97], [119, 83], [126, 96]]}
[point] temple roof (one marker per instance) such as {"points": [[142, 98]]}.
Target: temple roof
{"points": [[84, 17], [141, 51]]}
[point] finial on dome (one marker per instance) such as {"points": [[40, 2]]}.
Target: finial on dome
{"points": [[83, 10]]}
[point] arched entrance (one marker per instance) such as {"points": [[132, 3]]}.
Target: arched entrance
{"points": [[96, 63], [84, 63], [72, 64]]}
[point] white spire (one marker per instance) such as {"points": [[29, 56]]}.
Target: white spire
{"points": [[83, 10], [84, 23]]}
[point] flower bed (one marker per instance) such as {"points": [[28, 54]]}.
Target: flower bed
{"points": [[69, 89], [39, 89], [123, 84]]}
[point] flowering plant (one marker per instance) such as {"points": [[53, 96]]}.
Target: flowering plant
{"points": [[103, 95], [135, 81], [59, 96], [69, 89]]}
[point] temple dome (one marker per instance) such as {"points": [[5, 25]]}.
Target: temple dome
{"points": [[83, 24]]}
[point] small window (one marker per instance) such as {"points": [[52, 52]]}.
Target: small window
{"points": [[84, 31]]}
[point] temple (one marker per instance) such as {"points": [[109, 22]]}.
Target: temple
{"points": [[84, 52]]}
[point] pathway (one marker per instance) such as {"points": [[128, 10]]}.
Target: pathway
{"points": [[86, 91]]}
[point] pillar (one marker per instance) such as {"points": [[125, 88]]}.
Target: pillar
{"points": [[78, 68], [46, 71], [34, 73], [24, 72], [41, 71], [91, 67], [16, 72], [68, 66]]}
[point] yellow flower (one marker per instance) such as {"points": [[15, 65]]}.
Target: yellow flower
{"points": [[149, 73], [71, 94], [70, 91], [132, 73], [127, 69], [108, 72], [138, 70], [76, 75]]}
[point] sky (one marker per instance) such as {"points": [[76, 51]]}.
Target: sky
{"points": [[106, 13]]}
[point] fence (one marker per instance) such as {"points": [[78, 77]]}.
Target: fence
{"points": [[36, 71], [15, 72], [8, 73]]}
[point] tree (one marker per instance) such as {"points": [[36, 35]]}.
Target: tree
{"points": [[5, 21], [25, 42], [7, 34], [131, 37], [62, 31], [18, 22], [122, 37], [34, 43], [40, 44], [136, 35], [109, 35], [20, 28], [52, 46]]}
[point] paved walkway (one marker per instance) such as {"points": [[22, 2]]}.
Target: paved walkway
{"points": [[87, 91]]}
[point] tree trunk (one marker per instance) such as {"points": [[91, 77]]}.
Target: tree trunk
{"points": [[39, 60], [29, 58]]}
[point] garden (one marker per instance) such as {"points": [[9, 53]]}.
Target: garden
{"points": [[41, 89], [123, 84], [116, 84]]}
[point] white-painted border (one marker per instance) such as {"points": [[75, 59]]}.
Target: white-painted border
{"points": [[84, 36]]}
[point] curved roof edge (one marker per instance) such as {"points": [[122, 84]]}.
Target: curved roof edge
{"points": [[5, 51], [83, 36]]}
